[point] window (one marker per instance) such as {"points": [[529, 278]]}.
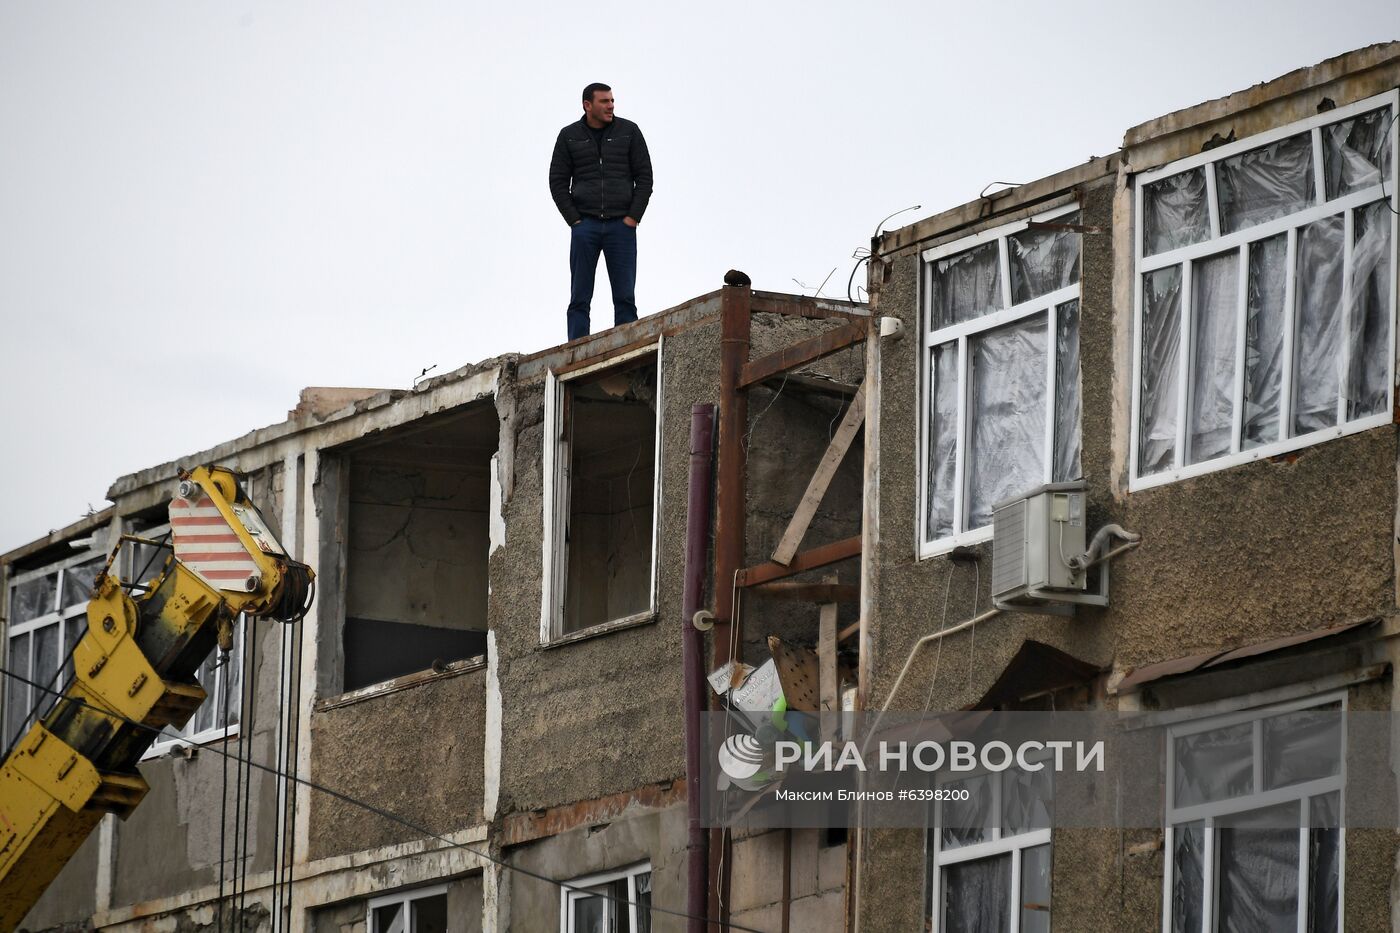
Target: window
{"points": [[615, 902], [1265, 296], [1000, 373], [989, 855], [48, 614], [1254, 838], [602, 456], [419, 911], [418, 544]]}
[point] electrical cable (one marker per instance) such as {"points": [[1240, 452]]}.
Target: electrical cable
{"points": [[251, 659], [223, 799], [383, 813]]}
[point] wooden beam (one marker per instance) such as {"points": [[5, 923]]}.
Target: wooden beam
{"points": [[801, 353], [807, 560], [821, 479], [826, 671], [848, 631], [811, 592]]}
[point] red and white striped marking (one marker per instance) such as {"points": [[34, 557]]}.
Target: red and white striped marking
{"points": [[207, 544]]}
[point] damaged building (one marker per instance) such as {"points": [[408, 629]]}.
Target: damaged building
{"points": [[527, 569]]}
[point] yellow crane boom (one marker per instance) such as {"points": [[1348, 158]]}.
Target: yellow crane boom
{"points": [[133, 674]]}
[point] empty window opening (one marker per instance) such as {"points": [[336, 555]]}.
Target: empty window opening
{"points": [[418, 533], [603, 562]]}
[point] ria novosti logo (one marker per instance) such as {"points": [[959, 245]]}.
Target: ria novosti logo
{"points": [[740, 757]]}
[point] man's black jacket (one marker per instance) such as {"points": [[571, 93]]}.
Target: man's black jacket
{"points": [[608, 180]]}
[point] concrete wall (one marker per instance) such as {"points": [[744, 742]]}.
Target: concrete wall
{"points": [[640, 835], [603, 715], [416, 752], [817, 879]]}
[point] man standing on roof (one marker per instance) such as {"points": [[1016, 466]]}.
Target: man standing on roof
{"points": [[600, 178]]}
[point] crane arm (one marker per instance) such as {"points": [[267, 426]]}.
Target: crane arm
{"points": [[134, 674]]}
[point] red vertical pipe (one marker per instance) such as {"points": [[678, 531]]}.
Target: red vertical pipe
{"points": [[697, 544], [735, 331]]}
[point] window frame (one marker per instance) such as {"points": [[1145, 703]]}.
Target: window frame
{"points": [[556, 499], [1015, 845], [57, 615], [406, 898], [1237, 244], [1207, 813], [576, 890], [1048, 304]]}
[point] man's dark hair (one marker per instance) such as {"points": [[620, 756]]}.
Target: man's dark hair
{"points": [[596, 86]]}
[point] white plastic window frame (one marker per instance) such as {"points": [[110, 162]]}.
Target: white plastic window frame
{"points": [[64, 617], [577, 891], [557, 490], [1014, 845], [404, 898], [1208, 813], [1048, 304], [177, 738], [1239, 242]]}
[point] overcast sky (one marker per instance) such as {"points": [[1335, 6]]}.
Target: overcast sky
{"points": [[205, 207]]}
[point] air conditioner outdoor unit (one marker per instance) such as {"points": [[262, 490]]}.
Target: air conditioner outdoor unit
{"points": [[1038, 552]]}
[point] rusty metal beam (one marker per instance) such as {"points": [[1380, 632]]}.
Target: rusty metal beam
{"points": [[537, 824], [807, 560], [802, 306], [802, 353], [731, 475], [810, 592]]}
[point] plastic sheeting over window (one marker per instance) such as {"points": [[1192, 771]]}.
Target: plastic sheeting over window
{"points": [[966, 285], [1302, 746], [1043, 260], [1007, 410], [969, 821], [977, 896], [1161, 342], [1356, 153], [1258, 872], [1215, 287], [1174, 212], [1324, 863], [1369, 323], [1027, 800], [1214, 765], [1318, 316], [1317, 301], [1265, 183], [1035, 890], [942, 438], [1263, 340], [1068, 412], [1188, 846]]}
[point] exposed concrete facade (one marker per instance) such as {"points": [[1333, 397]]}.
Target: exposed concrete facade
{"points": [[424, 512], [560, 754]]}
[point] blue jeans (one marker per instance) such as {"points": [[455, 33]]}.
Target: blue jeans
{"points": [[618, 243]]}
